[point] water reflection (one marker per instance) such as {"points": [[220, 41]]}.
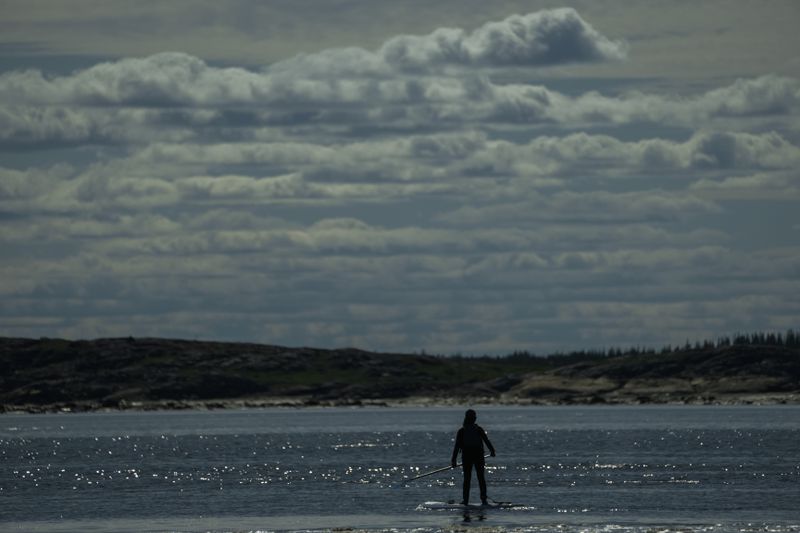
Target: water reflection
{"points": [[48, 467]]}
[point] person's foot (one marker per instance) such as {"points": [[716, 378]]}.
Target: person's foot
{"points": [[484, 501], [464, 502]]}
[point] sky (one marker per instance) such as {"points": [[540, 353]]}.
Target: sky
{"points": [[457, 176]]}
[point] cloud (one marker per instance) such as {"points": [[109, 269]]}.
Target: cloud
{"points": [[668, 259], [165, 79], [37, 127], [770, 95], [543, 38], [211, 107], [244, 187], [326, 237], [766, 96], [588, 207], [425, 193], [580, 155], [340, 75], [18, 185], [780, 186], [743, 150], [539, 175]]}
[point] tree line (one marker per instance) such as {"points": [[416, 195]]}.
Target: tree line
{"points": [[789, 339]]}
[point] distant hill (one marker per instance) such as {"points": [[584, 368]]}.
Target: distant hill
{"points": [[56, 374]]}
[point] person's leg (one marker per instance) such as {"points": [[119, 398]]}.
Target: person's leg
{"points": [[467, 464], [480, 473]]}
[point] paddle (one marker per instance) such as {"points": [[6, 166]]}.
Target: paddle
{"points": [[426, 474]]}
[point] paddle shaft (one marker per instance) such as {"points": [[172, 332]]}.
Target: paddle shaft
{"points": [[426, 474]]}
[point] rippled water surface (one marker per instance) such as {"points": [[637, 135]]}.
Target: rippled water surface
{"points": [[636, 469]]}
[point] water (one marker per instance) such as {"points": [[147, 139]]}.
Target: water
{"points": [[572, 469]]}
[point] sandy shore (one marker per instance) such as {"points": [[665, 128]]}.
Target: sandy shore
{"points": [[416, 401]]}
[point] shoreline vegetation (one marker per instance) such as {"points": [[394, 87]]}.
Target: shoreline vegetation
{"points": [[57, 375]]}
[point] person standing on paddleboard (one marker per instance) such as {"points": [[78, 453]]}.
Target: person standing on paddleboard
{"points": [[469, 440]]}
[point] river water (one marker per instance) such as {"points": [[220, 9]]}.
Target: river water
{"points": [[569, 469]]}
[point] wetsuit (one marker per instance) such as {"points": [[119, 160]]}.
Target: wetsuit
{"points": [[469, 440]]}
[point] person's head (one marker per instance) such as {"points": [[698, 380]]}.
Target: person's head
{"points": [[470, 417]]}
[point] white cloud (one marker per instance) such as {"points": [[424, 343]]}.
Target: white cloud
{"points": [[244, 187], [19, 185], [26, 126], [743, 151], [166, 195], [209, 108], [580, 155], [768, 95], [341, 75], [543, 38], [548, 177]]}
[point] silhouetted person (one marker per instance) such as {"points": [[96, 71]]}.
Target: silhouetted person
{"points": [[469, 440]]}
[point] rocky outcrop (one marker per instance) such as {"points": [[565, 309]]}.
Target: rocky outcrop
{"points": [[697, 376]]}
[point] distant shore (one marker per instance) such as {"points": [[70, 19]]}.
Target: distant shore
{"points": [[420, 401], [120, 374]]}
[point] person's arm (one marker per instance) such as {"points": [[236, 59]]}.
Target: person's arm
{"points": [[456, 447], [485, 438]]}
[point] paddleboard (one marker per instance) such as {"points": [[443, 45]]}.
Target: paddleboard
{"points": [[453, 505]]}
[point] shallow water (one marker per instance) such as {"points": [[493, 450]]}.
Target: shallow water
{"points": [[622, 468]]}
